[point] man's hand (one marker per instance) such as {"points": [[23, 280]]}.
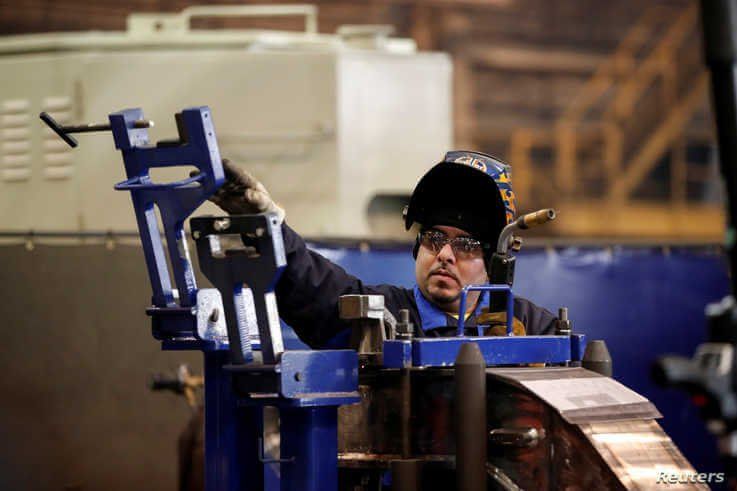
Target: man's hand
{"points": [[497, 322], [243, 194]]}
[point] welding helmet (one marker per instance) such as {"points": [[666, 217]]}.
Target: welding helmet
{"points": [[468, 190]]}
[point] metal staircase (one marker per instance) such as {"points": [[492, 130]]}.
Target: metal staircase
{"points": [[634, 116]]}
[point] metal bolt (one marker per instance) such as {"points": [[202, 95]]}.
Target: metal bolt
{"points": [[563, 326], [221, 224], [143, 123], [196, 234], [404, 327], [516, 244]]}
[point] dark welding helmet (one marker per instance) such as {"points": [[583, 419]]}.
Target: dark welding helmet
{"points": [[468, 190]]}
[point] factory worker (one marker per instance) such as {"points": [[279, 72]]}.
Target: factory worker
{"points": [[461, 205]]}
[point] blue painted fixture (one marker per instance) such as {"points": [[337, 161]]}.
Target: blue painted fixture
{"points": [[236, 324]]}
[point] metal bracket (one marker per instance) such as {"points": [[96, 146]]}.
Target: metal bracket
{"points": [[366, 313], [243, 256], [487, 288], [196, 146], [211, 316]]}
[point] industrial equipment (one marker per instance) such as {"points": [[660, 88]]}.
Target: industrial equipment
{"points": [[322, 102], [711, 374], [463, 412]]}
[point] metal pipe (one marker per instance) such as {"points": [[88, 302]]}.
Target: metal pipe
{"points": [[719, 23], [471, 432], [523, 223]]}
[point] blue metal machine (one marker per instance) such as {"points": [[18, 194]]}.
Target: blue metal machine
{"points": [[236, 325], [496, 350]]}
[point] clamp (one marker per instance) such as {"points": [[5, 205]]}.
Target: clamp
{"points": [[173, 310]]}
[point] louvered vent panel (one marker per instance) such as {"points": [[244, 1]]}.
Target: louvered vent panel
{"points": [[15, 142], [57, 155]]}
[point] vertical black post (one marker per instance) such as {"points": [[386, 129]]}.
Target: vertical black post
{"points": [[471, 433], [597, 358], [406, 474], [719, 23], [406, 413]]}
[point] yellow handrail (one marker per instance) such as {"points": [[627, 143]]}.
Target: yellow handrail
{"points": [[614, 102]]}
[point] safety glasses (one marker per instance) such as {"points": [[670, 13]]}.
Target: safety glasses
{"points": [[463, 247]]}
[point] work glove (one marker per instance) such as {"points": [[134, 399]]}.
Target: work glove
{"points": [[496, 323], [243, 194]]}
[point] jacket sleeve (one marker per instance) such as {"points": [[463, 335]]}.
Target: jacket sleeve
{"points": [[309, 289], [537, 320]]}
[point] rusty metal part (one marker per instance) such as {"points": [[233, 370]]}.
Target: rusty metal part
{"points": [[406, 413], [615, 446]]}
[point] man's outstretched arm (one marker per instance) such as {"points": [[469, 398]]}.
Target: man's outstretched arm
{"points": [[309, 289]]}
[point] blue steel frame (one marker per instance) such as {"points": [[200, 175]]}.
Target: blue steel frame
{"points": [[175, 201], [497, 350], [486, 288], [306, 386]]}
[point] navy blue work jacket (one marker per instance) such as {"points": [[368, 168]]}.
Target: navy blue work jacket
{"points": [[309, 288]]}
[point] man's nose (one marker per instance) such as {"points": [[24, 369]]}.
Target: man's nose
{"points": [[446, 254]]}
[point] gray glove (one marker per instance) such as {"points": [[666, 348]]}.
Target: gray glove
{"points": [[243, 194]]}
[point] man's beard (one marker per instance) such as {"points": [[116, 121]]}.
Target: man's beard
{"points": [[444, 298]]}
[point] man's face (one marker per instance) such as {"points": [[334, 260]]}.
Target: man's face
{"points": [[442, 274]]}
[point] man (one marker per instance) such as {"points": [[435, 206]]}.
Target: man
{"points": [[461, 205]]}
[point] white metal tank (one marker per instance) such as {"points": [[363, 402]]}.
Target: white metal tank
{"points": [[327, 122]]}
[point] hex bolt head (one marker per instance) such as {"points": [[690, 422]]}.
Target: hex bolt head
{"points": [[221, 224]]}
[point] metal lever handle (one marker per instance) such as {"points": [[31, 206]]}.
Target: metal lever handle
{"points": [[63, 131]]}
